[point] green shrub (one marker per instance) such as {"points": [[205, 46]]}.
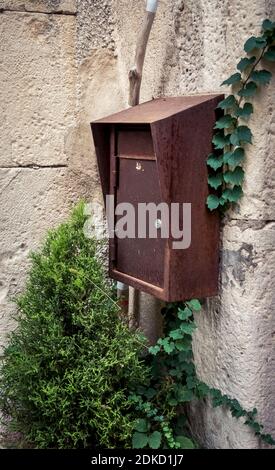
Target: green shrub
{"points": [[71, 362]]}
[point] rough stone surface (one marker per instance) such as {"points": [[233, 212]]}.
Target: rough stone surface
{"points": [[38, 76], [95, 27], [39, 109], [42, 6], [59, 72], [99, 94], [31, 201], [234, 344]]}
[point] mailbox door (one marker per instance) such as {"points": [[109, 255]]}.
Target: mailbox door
{"points": [[140, 258]]}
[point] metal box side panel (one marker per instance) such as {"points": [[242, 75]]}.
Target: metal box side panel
{"points": [[182, 144]]}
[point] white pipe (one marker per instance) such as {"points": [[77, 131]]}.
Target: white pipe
{"points": [[152, 6]]}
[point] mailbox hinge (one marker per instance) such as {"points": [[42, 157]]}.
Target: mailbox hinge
{"points": [[115, 172], [114, 159]]}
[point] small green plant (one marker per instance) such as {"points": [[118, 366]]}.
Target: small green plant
{"points": [[70, 363], [232, 135]]}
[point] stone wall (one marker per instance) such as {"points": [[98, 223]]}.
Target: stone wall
{"points": [[65, 63]]}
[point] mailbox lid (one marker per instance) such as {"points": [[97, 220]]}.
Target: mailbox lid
{"points": [[153, 114], [157, 109]]}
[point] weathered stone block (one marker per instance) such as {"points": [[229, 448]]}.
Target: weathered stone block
{"points": [[31, 201], [37, 94], [46, 6]]}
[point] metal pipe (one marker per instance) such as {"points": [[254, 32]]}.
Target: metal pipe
{"points": [[152, 6]]}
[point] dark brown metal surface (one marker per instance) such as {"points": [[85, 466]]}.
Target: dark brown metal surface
{"points": [[183, 178], [138, 183], [163, 161], [142, 138]]}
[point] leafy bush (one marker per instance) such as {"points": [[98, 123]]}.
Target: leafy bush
{"points": [[71, 362]]}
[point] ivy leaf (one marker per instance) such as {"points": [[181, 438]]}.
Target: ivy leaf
{"points": [[225, 122], [235, 78], [268, 25], [217, 402], [254, 43], [220, 140], [254, 425], [140, 440], [238, 413], [188, 368], [226, 400], [236, 157], [270, 54], [215, 393], [268, 439], [202, 389], [141, 390], [154, 350], [223, 201], [213, 202], [215, 162], [150, 393], [168, 346], [194, 304], [185, 442], [176, 372], [191, 382], [188, 328], [155, 440], [185, 355], [215, 180], [184, 344], [184, 395], [233, 195], [245, 134], [235, 177], [234, 139], [172, 402], [246, 111], [184, 314], [245, 62], [249, 90], [261, 76], [229, 102], [241, 135], [226, 156], [176, 334], [141, 425]]}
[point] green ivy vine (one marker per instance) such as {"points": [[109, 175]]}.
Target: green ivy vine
{"points": [[163, 403], [232, 134]]}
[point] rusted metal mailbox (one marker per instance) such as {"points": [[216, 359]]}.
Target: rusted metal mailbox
{"points": [[156, 153]]}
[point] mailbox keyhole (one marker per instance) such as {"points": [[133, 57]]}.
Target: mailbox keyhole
{"points": [[158, 223]]}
